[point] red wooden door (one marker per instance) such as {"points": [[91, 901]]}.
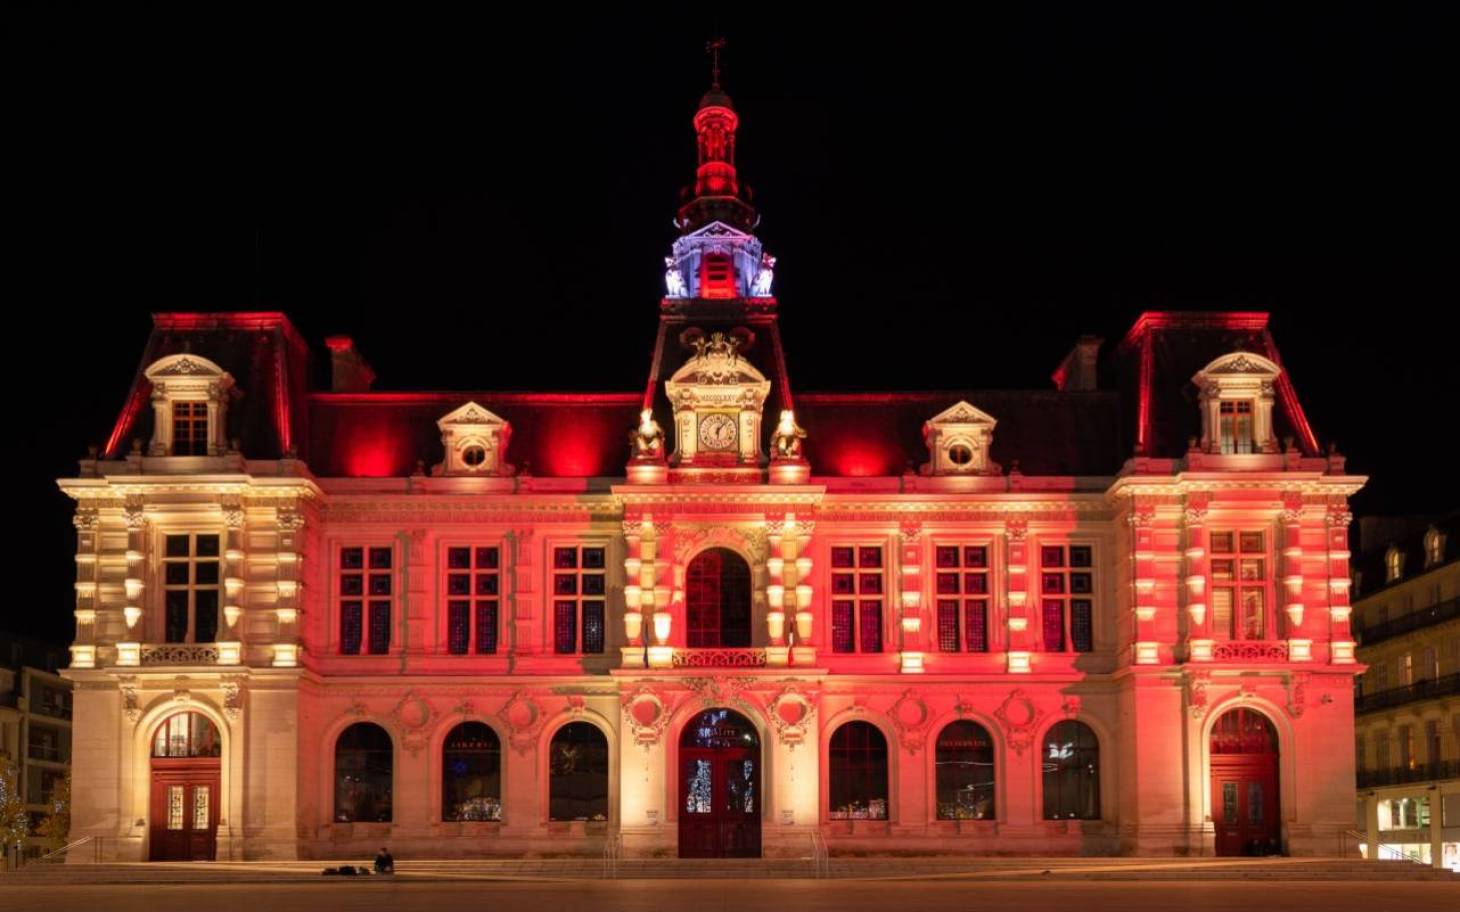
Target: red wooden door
{"points": [[720, 803], [184, 812], [1245, 805]]}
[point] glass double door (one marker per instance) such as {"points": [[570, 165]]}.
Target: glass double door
{"points": [[1245, 806], [184, 812], [720, 803]]}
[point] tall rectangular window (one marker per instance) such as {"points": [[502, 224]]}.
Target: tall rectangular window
{"points": [[580, 588], [962, 584], [192, 587], [1407, 758], [473, 590], [856, 598], [366, 585], [1067, 594], [190, 429], [1236, 426], [1239, 585], [1434, 750]]}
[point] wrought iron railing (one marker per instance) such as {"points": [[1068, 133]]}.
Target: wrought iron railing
{"points": [[1420, 772], [1443, 686], [90, 844], [1415, 620], [820, 855], [180, 654], [613, 852], [719, 658], [1250, 651]]}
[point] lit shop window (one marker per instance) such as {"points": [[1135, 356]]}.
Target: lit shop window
{"points": [[1067, 593], [473, 590], [1404, 814], [1071, 767], [857, 774], [364, 761], [580, 586], [857, 586], [366, 584], [965, 772], [471, 773], [962, 582]]}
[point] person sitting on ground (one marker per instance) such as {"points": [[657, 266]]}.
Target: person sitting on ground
{"points": [[384, 862]]}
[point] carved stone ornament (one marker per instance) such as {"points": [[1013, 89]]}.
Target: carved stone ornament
{"points": [[130, 707], [1019, 716], [750, 541], [524, 720], [1196, 695], [412, 714], [1071, 706], [646, 715], [1298, 693], [180, 692], [358, 709], [910, 717], [232, 508], [720, 691], [232, 700], [85, 519], [791, 712]]}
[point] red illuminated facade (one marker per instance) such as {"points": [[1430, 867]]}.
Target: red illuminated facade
{"points": [[708, 618]]}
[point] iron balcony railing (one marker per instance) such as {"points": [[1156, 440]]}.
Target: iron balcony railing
{"points": [[1443, 686], [1415, 620], [1400, 775]]}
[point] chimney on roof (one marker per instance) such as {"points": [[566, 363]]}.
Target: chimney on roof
{"points": [[1076, 372], [349, 372]]}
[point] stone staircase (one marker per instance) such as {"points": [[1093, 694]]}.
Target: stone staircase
{"points": [[873, 867]]}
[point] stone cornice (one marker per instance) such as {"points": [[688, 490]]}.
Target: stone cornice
{"points": [[1211, 482], [118, 487]]}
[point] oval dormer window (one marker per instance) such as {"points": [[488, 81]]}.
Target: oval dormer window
{"points": [[960, 454]]}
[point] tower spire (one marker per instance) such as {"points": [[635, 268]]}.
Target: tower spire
{"points": [[713, 47]]}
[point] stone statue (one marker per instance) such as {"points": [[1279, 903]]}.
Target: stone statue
{"points": [[646, 442], [787, 437]]}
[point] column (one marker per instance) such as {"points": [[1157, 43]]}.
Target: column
{"points": [[1016, 599], [1146, 646], [794, 541], [235, 573], [633, 652], [910, 593], [522, 594], [129, 650], [1300, 644], [288, 562], [1199, 640], [88, 555], [1341, 645]]}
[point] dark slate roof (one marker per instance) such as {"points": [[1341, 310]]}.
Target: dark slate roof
{"points": [[1407, 533], [1047, 431]]}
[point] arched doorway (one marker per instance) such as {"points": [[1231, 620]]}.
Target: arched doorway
{"points": [[717, 600], [1244, 757], [719, 787], [186, 752]]}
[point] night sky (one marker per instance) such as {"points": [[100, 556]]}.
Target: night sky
{"points": [[486, 203]]}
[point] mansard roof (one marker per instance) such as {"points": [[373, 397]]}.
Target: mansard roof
{"points": [[1046, 432]]}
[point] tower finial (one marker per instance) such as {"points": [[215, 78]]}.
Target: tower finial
{"points": [[713, 47]]}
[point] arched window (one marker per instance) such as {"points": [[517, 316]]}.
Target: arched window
{"points": [[717, 600], [471, 773], [965, 772], [187, 734], [1434, 547], [364, 756], [578, 773], [857, 784], [1071, 772], [1393, 564], [1244, 731]]}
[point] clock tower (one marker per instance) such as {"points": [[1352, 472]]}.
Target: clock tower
{"points": [[718, 363]]}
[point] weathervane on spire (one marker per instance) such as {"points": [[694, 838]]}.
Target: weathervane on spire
{"points": [[713, 47]]}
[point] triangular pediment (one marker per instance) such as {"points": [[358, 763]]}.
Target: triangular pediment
{"points": [[188, 365], [1241, 363], [471, 414], [962, 412], [717, 230]]}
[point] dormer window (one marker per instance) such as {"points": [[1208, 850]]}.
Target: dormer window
{"points": [[475, 442], [1393, 564], [1236, 404], [1236, 426], [958, 442], [189, 406], [1434, 547]]}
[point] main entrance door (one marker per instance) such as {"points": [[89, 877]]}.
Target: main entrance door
{"points": [[719, 787], [1244, 755], [185, 777]]}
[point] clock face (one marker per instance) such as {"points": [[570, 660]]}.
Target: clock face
{"points": [[717, 432]]}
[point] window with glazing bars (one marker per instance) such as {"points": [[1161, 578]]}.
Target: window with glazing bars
{"points": [[192, 588], [473, 589], [190, 429], [580, 585], [856, 593], [1236, 426], [962, 583], [1239, 585], [1067, 593], [366, 584]]}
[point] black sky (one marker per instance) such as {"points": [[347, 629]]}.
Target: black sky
{"points": [[484, 203]]}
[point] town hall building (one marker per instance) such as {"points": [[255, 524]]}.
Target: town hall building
{"points": [[717, 616]]}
